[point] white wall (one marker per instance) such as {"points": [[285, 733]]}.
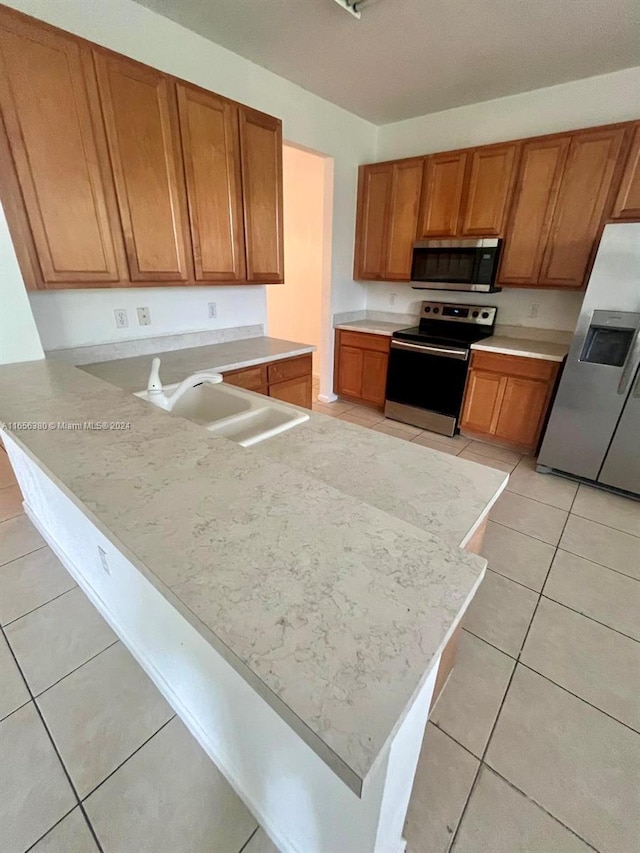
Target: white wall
{"points": [[582, 103], [552, 309], [307, 120], [294, 309], [19, 339]]}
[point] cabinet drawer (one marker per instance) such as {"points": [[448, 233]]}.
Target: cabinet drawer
{"points": [[289, 368], [250, 378], [514, 365], [363, 340]]}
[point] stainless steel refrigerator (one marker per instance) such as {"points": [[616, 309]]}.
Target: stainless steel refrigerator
{"points": [[594, 429]]}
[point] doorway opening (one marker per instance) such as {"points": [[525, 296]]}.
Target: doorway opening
{"points": [[300, 309]]}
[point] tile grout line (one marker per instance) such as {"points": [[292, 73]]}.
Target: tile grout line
{"points": [[591, 618], [55, 748], [483, 763], [75, 669], [44, 604], [22, 556], [247, 842]]}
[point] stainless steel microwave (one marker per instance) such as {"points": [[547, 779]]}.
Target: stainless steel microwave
{"points": [[456, 264]]}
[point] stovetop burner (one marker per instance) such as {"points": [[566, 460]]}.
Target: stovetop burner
{"points": [[452, 324]]}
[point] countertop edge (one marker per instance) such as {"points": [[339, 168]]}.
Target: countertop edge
{"points": [[505, 349]]}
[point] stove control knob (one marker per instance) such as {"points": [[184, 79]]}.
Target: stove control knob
{"points": [[475, 314], [436, 310], [485, 315], [427, 309]]}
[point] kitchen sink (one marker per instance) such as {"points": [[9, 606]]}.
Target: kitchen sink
{"points": [[241, 416]]}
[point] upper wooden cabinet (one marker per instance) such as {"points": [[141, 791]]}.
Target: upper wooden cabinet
{"points": [[142, 131], [211, 149], [261, 158], [580, 205], [114, 173], [387, 218], [533, 205], [61, 196], [442, 194], [627, 203], [491, 173]]}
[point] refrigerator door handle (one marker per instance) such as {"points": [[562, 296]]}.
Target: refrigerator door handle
{"points": [[631, 364]]}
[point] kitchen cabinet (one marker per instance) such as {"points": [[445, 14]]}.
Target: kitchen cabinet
{"points": [[580, 205], [116, 174], [442, 194], [361, 362], [288, 379], [507, 398], [211, 150], [59, 195], [534, 201], [142, 130], [261, 159], [387, 218], [487, 194], [627, 202]]}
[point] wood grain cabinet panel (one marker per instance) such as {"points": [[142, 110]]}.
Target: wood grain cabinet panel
{"points": [[261, 158], [582, 197], [442, 194], [361, 363], [211, 150], [61, 164], [529, 221], [627, 203], [488, 190], [250, 378], [297, 391], [290, 368], [507, 398], [403, 219], [139, 112], [372, 219]]}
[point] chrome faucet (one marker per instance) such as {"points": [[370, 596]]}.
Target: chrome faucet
{"points": [[156, 393]]}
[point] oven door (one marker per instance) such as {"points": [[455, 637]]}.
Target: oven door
{"points": [[425, 385]]}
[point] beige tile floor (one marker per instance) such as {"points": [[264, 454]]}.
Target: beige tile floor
{"points": [[534, 746]]}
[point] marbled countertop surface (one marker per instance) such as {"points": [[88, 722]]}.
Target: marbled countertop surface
{"points": [[323, 565], [374, 327], [529, 348], [132, 373]]}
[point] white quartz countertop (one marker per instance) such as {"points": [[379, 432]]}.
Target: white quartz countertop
{"points": [[373, 327], [324, 565], [132, 373], [529, 348]]}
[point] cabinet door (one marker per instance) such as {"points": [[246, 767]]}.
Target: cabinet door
{"points": [[139, 112], [523, 407], [297, 391], [403, 219], [483, 397], [488, 189], [530, 216], [374, 199], [211, 150], [627, 203], [59, 156], [251, 378], [442, 194], [261, 150], [584, 188], [374, 376], [350, 368]]}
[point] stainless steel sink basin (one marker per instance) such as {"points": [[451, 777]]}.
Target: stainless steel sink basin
{"points": [[242, 416]]}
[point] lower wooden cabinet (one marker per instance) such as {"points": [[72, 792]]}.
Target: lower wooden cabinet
{"points": [[288, 379], [361, 363], [507, 398]]}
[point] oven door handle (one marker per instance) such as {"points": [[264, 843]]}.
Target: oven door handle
{"points": [[447, 352]]}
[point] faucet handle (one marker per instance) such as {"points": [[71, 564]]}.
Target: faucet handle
{"points": [[154, 385]]}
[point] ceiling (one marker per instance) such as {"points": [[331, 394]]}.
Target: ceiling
{"points": [[405, 58]]}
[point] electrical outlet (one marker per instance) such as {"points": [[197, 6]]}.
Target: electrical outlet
{"points": [[122, 321], [213, 310], [533, 310], [144, 317], [103, 560], [392, 299]]}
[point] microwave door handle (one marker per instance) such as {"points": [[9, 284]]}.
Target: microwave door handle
{"points": [[630, 365]]}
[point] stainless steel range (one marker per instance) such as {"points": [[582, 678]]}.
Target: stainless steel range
{"points": [[428, 364]]}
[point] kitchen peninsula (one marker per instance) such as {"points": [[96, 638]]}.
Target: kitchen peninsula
{"points": [[291, 601]]}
